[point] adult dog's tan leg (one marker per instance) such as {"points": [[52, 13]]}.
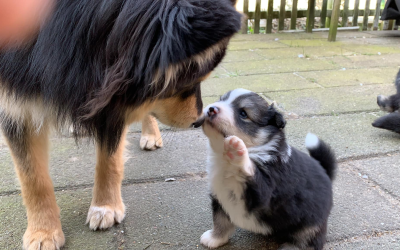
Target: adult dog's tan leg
{"points": [[151, 136], [29, 149], [107, 206]]}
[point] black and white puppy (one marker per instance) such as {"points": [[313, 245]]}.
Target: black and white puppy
{"points": [[260, 183], [390, 104]]}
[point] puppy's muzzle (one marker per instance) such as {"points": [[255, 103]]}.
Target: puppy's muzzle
{"points": [[212, 112]]}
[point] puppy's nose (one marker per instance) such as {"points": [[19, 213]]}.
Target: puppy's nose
{"points": [[212, 111]]}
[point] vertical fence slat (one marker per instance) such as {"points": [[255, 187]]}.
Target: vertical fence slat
{"points": [[293, 18], [269, 16], [355, 15], [334, 21], [282, 12], [377, 14], [345, 13], [385, 25], [310, 16], [257, 17], [390, 25], [328, 19], [366, 14], [245, 23], [323, 13]]}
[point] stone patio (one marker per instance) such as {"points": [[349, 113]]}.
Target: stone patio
{"points": [[326, 88]]}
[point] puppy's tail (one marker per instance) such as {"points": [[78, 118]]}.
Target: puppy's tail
{"points": [[323, 153]]}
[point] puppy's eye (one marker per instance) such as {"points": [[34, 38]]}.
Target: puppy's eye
{"points": [[243, 114]]}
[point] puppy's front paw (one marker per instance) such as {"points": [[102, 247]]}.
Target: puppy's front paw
{"points": [[235, 151], [210, 241]]}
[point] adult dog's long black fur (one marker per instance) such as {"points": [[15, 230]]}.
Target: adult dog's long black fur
{"points": [[100, 65], [96, 58]]}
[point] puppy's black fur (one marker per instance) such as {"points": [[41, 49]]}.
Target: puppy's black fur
{"points": [[96, 58], [289, 194], [391, 104]]}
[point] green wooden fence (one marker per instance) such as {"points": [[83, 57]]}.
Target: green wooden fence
{"points": [[329, 16]]}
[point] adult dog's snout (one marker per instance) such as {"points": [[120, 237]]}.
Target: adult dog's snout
{"points": [[199, 122]]}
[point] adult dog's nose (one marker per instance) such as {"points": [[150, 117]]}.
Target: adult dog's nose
{"points": [[212, 111]]}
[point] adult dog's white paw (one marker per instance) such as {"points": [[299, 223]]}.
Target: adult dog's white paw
{"points": [[104, 217], [208, 240], [150, 142]]}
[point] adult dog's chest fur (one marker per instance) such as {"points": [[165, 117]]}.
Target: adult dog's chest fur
{"points": [[228, 186]]}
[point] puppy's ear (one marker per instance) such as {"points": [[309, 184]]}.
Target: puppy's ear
{"points": [[390, 122], [275, 118]]}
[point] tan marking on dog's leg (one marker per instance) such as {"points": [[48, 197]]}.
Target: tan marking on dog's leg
{"points": [[29, 149], [151, 136], [107, 206]]}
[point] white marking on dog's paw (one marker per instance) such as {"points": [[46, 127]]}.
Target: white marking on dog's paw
{"points": [[150, 142], [208, 240], [104, 217]]}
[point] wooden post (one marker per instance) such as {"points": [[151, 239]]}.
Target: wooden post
{"points": [[257, 17], [366, 14], [323, 13], [334, 21], [355, 15], [346, 13], [282, 12], [270, 13], [390, 25], [377, 14], [245, 24], [328, 19], [293, 18], [310, 16]]}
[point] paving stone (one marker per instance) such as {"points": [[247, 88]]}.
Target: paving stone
{"points": [[242, 55], [349, 135], [246, 45], [279, 66], [276, 36], [346, 77], [306, 52], [358, 207], [382, 170], [331, 100], [372, 49], [74, 205], [384, 241], [364, 61], [313, 42], [256, 83]]}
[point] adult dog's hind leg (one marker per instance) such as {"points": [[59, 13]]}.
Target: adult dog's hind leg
{"points": [[29, 149], [151, 136], [107, 206]]}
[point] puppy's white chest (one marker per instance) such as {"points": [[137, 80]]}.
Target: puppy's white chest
{"points": [[228, 186]]}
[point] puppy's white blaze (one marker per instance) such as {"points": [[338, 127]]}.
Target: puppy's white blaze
{"points": [[236, 93], [312, 141], [225, 182]]}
